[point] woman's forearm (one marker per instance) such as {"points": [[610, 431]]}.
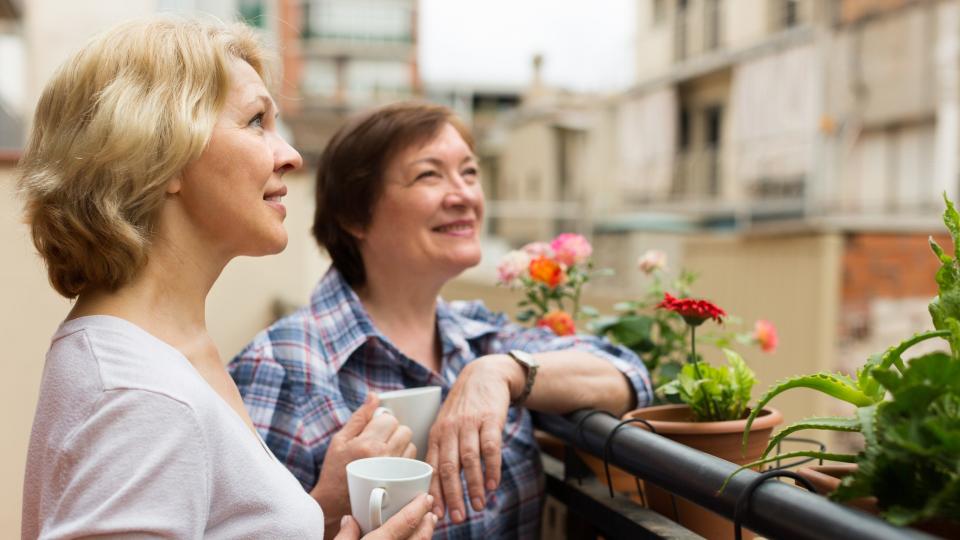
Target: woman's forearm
{"points": [[569, 380]]}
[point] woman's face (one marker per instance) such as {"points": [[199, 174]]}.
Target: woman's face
{"points": [[427, 220], [231, 193]]}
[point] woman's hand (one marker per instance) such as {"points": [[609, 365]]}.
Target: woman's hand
{"points": [[414, 521], [364, 435], [468, 433]]}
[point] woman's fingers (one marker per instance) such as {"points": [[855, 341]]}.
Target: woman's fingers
{"points": [[472, 468], [399, 440], [349, 529], [491, 444], [436, 491], [410, 452], [448, 469], [360, 418], [413, 521]]}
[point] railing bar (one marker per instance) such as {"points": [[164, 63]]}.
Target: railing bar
{"points": [[779, 510]]}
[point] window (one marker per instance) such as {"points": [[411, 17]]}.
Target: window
{"points": [[251, 12], [359, 20], [659, 11]]}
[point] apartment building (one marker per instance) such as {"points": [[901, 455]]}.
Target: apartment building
{"points": [[341, 56], [794, 153], [11, 89]]}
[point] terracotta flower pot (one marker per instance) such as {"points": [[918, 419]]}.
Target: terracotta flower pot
{"points": [[721, 439]]}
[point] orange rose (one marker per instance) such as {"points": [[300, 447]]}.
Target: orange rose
{"points": [[560, 322], [547, 271]]}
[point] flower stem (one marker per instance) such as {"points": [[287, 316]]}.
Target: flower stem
{"points": [[712, 410]]}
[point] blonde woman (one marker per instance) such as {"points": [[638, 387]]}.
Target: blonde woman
{"points": [[154, 160]]}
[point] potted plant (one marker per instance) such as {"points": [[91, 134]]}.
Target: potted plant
{"points": [[711, 417], [908, 412]]}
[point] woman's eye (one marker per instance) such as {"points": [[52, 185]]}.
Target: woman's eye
{"points": [[256, 121], [471, 171], [426, 174]]}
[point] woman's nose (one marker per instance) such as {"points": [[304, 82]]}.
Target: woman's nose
{"points": [[463, 191], [286, 157]]}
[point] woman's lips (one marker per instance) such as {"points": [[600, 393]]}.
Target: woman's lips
{"points": [[457, 228]]}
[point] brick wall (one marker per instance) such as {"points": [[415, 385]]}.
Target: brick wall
{"points": [[884, 266]]}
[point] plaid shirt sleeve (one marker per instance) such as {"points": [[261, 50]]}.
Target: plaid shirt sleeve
{"points": [[534, 340]]}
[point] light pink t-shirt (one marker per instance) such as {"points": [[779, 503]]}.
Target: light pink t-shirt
{"points": [[129, 440]]}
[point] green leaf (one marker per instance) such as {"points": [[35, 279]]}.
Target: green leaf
{"points": [[833, 384], [826, 456], [526, 315], [631, 330], [829, 423], [866, 417]]}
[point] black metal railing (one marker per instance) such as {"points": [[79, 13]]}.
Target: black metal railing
{"points": [[776, 509]]}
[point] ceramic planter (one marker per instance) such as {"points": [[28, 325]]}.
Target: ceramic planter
{"points": [[721, 439]]}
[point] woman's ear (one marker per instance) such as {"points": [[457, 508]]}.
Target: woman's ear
{"points": [[174, 185], [353, 230]]}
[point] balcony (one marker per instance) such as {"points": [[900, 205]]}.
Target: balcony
{"points": [[698, 29], [769, 507]]}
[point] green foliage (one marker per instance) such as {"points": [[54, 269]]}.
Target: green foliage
{"points": [[907, 411], [913, 468], [659, 337], [716, 393]]}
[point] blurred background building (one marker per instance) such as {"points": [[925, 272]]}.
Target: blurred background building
{"points": [[793, 153]]}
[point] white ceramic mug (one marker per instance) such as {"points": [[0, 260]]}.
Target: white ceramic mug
{"points": [[381, 486], [415, 408]]}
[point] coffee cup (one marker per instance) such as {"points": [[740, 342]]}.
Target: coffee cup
{"points": [[380, 487], [415, 408]]}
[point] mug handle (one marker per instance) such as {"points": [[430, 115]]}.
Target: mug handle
{"points": [[378, 500]]}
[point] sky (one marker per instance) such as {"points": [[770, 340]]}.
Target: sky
{"points": [[587, 44]]}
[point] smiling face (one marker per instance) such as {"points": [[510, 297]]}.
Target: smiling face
{"points": [[231, 194], [427, 219]]}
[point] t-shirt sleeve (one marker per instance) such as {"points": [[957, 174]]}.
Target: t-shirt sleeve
{"points": [[136, 468]]}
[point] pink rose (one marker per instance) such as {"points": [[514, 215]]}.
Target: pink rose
{"points": [[651, 261], [512, 267], [538, 249], [571, 249], [765, 334]]}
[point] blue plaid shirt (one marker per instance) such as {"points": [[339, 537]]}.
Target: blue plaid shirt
{"points": [[303, 377]]}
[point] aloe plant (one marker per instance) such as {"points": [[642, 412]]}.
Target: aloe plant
{"points": [[911, 460]]}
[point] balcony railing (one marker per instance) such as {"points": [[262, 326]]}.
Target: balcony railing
{"points": [[775, 509], [697, 175]]}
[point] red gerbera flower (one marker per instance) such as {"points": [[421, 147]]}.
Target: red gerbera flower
{"points": [[695, 312]]}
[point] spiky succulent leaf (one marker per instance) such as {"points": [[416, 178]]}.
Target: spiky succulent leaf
{"points": [[826, 456], [833, 384], [829, 423]]}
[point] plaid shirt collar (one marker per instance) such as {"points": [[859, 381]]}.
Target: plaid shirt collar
{"points": [[338, 311]]}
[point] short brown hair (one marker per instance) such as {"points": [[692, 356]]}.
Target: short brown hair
{"points": [[350, 177], [116, 122]]}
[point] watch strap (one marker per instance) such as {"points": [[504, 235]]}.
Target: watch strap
{"points": [[530, 366]]}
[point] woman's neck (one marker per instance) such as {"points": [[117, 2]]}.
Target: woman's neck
{"points": [[404, 309], [167, 298]]}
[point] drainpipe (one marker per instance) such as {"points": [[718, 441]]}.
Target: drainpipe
{"points": [[947, 76]]}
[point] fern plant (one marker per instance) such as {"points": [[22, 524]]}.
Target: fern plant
{"points": [[911, 460]]}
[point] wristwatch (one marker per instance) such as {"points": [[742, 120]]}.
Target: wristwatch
{"points": [[530, 366]]}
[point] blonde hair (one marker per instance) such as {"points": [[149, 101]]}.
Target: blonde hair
{"points": [[114, 125]]}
